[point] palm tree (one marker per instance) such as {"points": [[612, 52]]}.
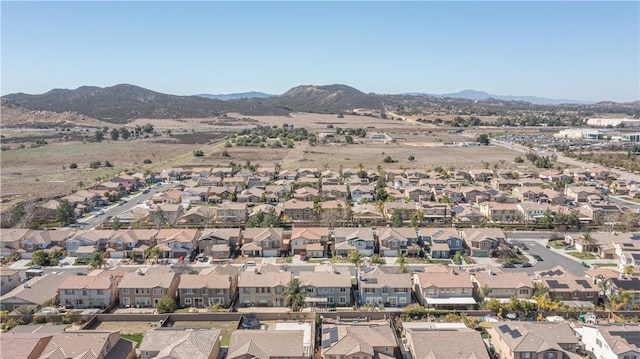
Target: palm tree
{"points": [[356, 258], [587, 241], [294, 295], [96, 261], [401, 260], [604, 284]]}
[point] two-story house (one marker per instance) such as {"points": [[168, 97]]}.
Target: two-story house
{"points": [[617, 341], [297, 210], [347, 239], [567, 287], [232, 212], [96, 239], [176, 242], [9, 279], [98, 289], [209, 287], [125, 241], [327, 286], [502, 286], [384, 289], [398, 240], [480, 241], [263, 242], [517, 340], [10, 239], [194, 343], [257, 288], [218, 242], [46, 240], [311, 240], [370, 340], [334, 192], [444, 288], [146, 286], [442, 242]]}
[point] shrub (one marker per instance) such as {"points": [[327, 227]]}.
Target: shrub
{"points": [[73, 166], [39, 319], [198, 153], [147, 161]]}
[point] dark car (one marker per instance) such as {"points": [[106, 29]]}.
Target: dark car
{"points": [[538, 258], [527, 265], [508, 265], [585, 265]]}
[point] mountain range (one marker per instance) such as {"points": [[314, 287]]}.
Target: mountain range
{"points": [[123, 103], [481, 95]]}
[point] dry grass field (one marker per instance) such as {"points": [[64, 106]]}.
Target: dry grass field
{"points": [[43, 172], [127, 327]]}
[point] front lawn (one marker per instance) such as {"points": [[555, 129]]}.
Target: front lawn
{"points": [[557, 244], [582, 255], [598, 265]]}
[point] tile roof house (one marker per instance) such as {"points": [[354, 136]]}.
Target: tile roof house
{"points": [[443, 242], [180, 343], [346, 239], [398, 240], [299, 210], [252, 195], [146, 286], [232, 212], [433, 212], [611, 341], [567, 287], [263, 242], [331, 192], [445, 344], [125, 241], [176, 242], [448, 288], [311, 240], [198, 215], [262, 288], [515, 340], [329, 286], [306, 194], [388, 289], [207, 288], [96, 239], [366, 213], [268, 344], [480, 241], [46, 240], [500, 212], [98, 289], [502, 285], [10, 240], [33, 293], [372, 340], [225, 239], [9, 279]]}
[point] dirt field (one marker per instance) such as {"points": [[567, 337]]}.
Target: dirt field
{"points": [[44, 171], [127, 327]]}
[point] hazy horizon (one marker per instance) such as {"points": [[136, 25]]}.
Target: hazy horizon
{"points": [[587, 51]]}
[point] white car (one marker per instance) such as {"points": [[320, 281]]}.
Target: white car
{"points": [[100, 212]]}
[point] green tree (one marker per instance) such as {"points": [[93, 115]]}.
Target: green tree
{"points": [[124, 133], [115, 134], [166, 305], [401, 261], [294, 295], [457, 258], [381, 194], [411, 158], [356, 258], [493, 305], [64, 213], [587, 242], [629, 270], [39, 258], [518, 160], [98, 136], [198, 153], [396, 218], [483, 139], [53, 257], [96, 261], [115, 223], [376, 259]]}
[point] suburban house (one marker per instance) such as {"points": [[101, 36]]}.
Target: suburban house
{"points": [[347, 239], [198, 215], [366, 213], [222, 172], [262, 288], [46, 240], [445, 343], [146, 286], [433, 212], [311, 240], [175, 242], [366, 340], [499, 212], [192, 343], [467, 214], [217, 194], [306, 194], [398, 240], [10, 239], [232, 212], [580, 193], [360, 193], [218, 242], [298, 210], [207, 288], [574, 291], [531, 212], [501, 285], [277, 193], [26, 341], [98, 289], [9, 279], [384, 289], [125, 241], [96, 240], [332, 192], [173, 196], [327, 286], [600, 212], [406, 209], [35, 292], [517, 340], [618, 341], [252, 195], [480, 241], [444, 288], [443, 242], [269, 344], [262, 242], [165, 213]]}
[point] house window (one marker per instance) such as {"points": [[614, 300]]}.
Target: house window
{"points": [[629, 357], [68, 291], [245, 290], [205, 291], [158, 291], [125, 291], [525, 355], [279, 290], [403, 300], [549, 355], [342, 300], [125, 301], [523, 291], [100, 292], [589, 294], [343, 290], [330, 300], [189, 291], [385, 290], [431, 291], [84, 292], [187, 300]]}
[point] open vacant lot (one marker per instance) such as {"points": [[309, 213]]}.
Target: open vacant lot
{"points": [[127, 327]]}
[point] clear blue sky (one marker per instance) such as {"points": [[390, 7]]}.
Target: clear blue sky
{"points": [[576, 50]]}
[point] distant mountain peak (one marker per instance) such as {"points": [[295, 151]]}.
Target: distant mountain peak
{"points": [[236, 96]]}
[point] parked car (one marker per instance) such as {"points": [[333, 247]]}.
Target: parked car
{"points": [[527, 265], [508, 265], [537, 257], [585, 265]]}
